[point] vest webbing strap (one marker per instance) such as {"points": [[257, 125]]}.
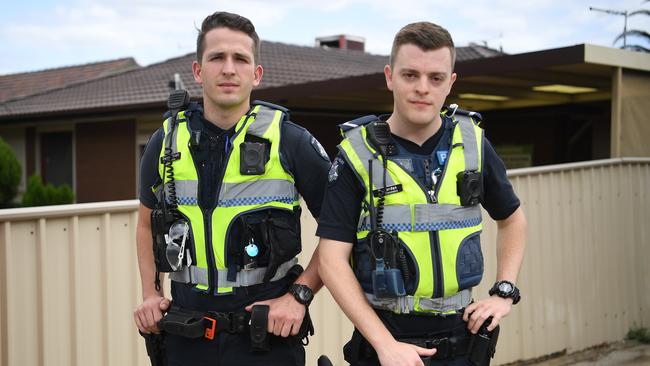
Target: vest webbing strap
{"points": [[359, 146], [426, 217], [199, 276], [468, 134], [406, 304]]}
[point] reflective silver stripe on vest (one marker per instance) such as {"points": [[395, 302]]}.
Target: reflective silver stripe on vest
{"points": [[191, 274], [199, 276], [263, 119], [469, 142], [406, 304], [427, 217], [359, 146], [186, 192], [432, 217], [396, 217], [257, 192]]}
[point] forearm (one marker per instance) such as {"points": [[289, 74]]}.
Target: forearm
{"points": [[337, 275], [310, 276], [511, 242]]}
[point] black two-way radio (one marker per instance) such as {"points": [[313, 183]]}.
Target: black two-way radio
{"points": [[387, 279], [167, 254]]}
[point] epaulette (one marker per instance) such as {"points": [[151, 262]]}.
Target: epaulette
{"points": [[453, 110], [271, 105], [193, 106], [361, 121]]}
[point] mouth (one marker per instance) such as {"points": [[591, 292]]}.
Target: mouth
{"points": [[420, 103], [228, 85]]}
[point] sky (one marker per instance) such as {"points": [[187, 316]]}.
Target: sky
{"points": [[42, 34]]}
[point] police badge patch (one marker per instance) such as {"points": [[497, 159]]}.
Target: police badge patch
{"points": [[319, 148], [333, 174]]}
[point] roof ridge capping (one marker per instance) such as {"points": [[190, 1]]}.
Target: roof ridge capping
{"points": [[130, 59]]}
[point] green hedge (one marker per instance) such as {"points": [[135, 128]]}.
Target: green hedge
{"points": [[10, 173], [39, 194]]}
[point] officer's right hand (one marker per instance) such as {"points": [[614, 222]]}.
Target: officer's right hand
{"points": [[147, 314], [403, 354]]}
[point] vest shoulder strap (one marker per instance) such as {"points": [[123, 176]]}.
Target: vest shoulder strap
{"points": [[361, 121], [266, 114], [271, 105], [462, 114]]}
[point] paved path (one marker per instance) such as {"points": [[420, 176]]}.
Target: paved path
{"points": [[619, 354]]}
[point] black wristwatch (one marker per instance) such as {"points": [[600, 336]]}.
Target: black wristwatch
{"points": [[506, 290], [302, 293]]}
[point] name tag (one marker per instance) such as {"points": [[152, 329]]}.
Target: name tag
{"points": [[388, 190]]}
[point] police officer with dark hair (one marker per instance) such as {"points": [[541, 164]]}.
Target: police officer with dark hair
{"points": [[400, 223], [220, 184]]}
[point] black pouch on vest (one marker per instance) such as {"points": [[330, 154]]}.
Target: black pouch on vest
{"points": [[247, 230], [161, 221], [283, 239], [469, 187]]}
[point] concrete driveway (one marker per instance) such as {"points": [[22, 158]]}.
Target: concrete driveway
{"points": [[628, 353]]}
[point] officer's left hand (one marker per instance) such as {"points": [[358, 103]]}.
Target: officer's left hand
{"points": [[476, 313], [285, 315]]}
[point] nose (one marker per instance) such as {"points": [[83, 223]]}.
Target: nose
{"points": [[422, 85], [228, 66]]}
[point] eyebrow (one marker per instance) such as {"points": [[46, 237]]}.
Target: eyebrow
{"points": [[413, 71], [236, 54]]}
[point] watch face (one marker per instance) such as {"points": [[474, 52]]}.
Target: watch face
{"points": [[505, 288], [303, 293]]}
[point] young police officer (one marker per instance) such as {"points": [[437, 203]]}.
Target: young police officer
{"points": [[414, 234], [232, 172]]}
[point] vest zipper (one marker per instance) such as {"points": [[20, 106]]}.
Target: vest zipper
{"points": [[433, 239], [207, 213]]}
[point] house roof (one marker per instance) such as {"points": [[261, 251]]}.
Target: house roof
{"points": [[284, 65], [16, 86]]}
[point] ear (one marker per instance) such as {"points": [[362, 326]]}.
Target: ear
{"points": [[452, 80], [259, 71], [388, 73], [196, 71]]}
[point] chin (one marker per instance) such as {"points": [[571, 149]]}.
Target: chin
{"points": [[228, 101], [421, 118]]}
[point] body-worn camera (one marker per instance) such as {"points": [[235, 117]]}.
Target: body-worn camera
{"points": [[469, 187], [252, 158]]}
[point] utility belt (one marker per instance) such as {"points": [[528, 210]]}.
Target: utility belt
{"points": [[198, 324], [424, 305], [459, 342], [447, 347]]}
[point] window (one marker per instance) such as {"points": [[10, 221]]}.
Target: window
{"points": [[56, 158]]}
